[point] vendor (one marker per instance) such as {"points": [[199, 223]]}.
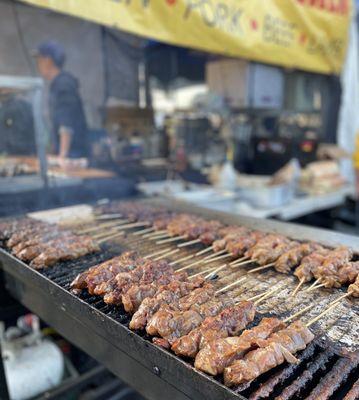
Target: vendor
{"points": [[65, 103]]}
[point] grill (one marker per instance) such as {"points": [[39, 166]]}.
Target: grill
{"points": [[327, 370]]}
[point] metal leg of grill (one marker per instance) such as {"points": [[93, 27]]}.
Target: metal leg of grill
{"points": [[4, 394]]}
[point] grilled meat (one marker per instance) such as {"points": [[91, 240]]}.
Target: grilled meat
{"points": [[228, 322], [292, 258], [265, 244], [239, 245], [309, 264], [171, 324], [267, 257], [232, 234], [148, 272], [134, 297], [354, 288], [98, 274], [334, 260], [67, 251], [281, 346], [167, 294], [218, 354]]}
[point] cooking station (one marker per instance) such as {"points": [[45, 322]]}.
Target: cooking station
{"points": [[327, 369]]}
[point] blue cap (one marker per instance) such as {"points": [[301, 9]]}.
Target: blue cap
{"points": [[53, 50]]}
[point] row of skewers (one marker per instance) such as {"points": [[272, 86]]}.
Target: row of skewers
{"points": [[196, 319], [307, 261], [42, 244]]}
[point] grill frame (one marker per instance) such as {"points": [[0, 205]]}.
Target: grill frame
{"points": [[149, 369], [152, 371]]}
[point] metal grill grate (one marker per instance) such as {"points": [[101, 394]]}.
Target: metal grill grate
{"points": [[321, 374]]}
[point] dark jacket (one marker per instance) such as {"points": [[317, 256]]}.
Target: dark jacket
{"points": [[66, 110]]}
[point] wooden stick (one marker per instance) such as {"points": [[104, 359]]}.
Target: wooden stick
{"points": [[104, 233], [217, 258], [110, 237], [340, 298], [144, 231], [98, 227], [243, 278], [239, 264], [201, 273], [172, 239], [268, 294], [157, 252], [158, 237], [238, 260], [149, 235], [296, 290], [134, 225], [312, 285], [216, 254], [315, 287], [181, 260], [297, 314], [321, 315], [190, 243], [260, 268], [166, 254], [191, 265], [223, 266], [108, 216], [204, 251]]}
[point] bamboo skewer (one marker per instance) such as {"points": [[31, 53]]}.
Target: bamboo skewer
{"points": [[344, 296], [296, 290], [172, 239], [166, 255], [99, 227], [217, 253], [181, 260], [108, 216], [104, 233], [312, 285], [201, 272], [243, 278], [239, 264], [300, 312], [265, 295], [134, 225], [315, 287], [223, 266], [260, 268], [238, 260], [149, 235], [110, 237], [193, 264], [318, 317], [157, 252], [204, 251], [159, 236], [190, 243], [144, 231], [217, 258]]}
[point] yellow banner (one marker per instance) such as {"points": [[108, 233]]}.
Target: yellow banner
{"points": [[305, 34]]}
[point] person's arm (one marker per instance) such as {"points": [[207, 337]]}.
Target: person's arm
{"points": [[65, 141]]}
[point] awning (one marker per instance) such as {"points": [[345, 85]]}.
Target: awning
{"points": [[305, 34]]}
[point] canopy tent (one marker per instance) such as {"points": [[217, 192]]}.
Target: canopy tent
{"points": [[305, 34]]}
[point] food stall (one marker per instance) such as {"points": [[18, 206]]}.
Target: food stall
{"points": [[184, 302]]}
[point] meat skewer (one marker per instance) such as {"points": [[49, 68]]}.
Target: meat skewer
{"points": [[279, 347], [216, 355], [173, 325]]}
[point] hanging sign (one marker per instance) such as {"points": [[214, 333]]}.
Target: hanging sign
{"points": [[305, 34]]}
